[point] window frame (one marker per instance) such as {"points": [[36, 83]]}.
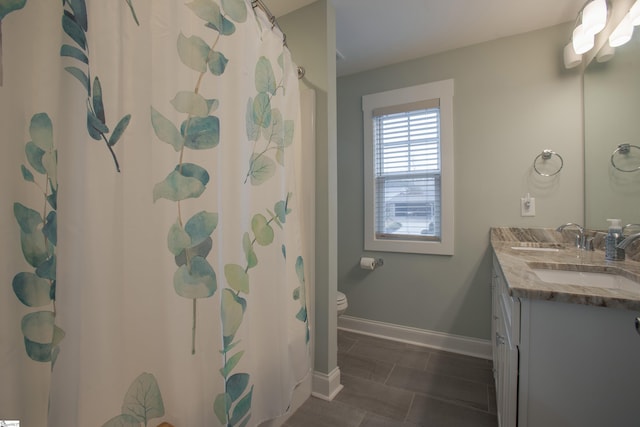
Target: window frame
{"points": [[442, 90]]}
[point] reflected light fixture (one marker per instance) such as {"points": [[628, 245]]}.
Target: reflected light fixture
{"points": [[624, 31]]}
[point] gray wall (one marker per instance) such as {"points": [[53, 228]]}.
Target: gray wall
{"points": [[512, 100], [311, 38]]}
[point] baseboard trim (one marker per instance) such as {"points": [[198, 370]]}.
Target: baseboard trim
{"points": [[326, 386], [425, 338]]}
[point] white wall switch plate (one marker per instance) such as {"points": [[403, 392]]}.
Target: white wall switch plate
{"points": [[528, 206]]}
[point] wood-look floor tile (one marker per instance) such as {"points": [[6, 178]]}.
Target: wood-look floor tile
{"points": [[320, 413], [472, 369], [372, 420], [455, 389], [364, 367], [374, 397], [392, 352], [430, 412]]}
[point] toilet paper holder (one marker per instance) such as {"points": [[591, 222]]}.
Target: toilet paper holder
{"points": [[368, 263]]}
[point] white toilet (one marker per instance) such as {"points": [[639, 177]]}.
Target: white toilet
{"points": [[342, 303]]}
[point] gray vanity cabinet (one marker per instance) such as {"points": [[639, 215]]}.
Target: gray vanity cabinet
{"points": [[506, 338], [563, 364]]}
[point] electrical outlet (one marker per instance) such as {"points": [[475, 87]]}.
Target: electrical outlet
{"points": [[528, 206]]}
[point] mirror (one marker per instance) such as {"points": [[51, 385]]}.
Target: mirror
{"points": [[612, 117]]}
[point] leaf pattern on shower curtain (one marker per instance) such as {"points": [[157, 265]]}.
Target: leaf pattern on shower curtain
{"points": [[75, 25], [265, 126], [6, 7], [190, 240], [38, 239], [142, 402]]}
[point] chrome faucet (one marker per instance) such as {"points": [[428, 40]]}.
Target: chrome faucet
{"points": [[581, 241], [628, 240], [630, 226]]}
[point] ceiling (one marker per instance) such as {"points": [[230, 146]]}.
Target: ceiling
{"points": [[371, 33]]}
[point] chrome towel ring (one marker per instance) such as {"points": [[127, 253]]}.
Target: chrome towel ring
{"points": [[546, 155], [623, 149]]}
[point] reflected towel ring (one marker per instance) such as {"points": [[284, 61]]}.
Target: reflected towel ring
{"points": [[546, 155], [624, 149]]}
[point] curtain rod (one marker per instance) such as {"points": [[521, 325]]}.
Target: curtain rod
{"points": [[274, 23]]}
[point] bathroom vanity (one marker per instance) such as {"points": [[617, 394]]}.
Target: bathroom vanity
{"points": [[565, 345]]}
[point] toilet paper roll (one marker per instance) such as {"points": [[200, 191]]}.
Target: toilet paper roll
{"points": [[367, 263]]}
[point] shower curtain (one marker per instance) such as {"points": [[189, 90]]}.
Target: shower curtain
{"points": [[152, 263]]}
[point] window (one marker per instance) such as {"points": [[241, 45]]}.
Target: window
{"points": [[409, 169]]}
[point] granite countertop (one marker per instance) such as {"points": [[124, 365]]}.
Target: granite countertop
{"points": [[522, 282]]}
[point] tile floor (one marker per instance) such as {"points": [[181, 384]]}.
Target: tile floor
{"points": [[391, 384]]}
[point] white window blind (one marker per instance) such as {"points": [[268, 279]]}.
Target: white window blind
{"points": [[407, 171]]}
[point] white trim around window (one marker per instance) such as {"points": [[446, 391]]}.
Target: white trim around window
{"points": [[441, 91]]}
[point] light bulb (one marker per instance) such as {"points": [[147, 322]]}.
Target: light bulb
{"points": [[594, 17], [582, 42]]}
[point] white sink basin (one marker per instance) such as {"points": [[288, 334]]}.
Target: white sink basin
{"points": [[589, 279]]}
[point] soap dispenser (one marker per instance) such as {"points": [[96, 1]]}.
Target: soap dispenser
{"points": [[614, 236]]}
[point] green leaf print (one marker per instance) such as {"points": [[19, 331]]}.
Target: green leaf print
{"points": [[249, 253], [190, 103], [200, 226], [236, 385], [242, 408], [236, 9], [32, 290], [26, 174], [180, 186], [193, 52], [143, 399], [74, 52], [201, 250], [122, 420], [28, 219], [217, 63], [262, 230], [74, 30], [231, 363], [178, 240], [142, 402], [41, 131], [35, 247], [262, 169], [265, 79], [262, 110], [8, 6], [237, 278], [165, 130], [75, 24], [221, 406], [34, 157], [197, 280], [119, 130], [233, 308], [201, 133]]}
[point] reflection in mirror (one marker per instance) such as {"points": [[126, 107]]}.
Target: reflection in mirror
{"points": [[612, 118]]}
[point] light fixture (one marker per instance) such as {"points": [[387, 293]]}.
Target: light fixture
{"points": [[622, 32], [594, 17], [582, 42], [571, 58], [634, 12], [605, 53]]}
